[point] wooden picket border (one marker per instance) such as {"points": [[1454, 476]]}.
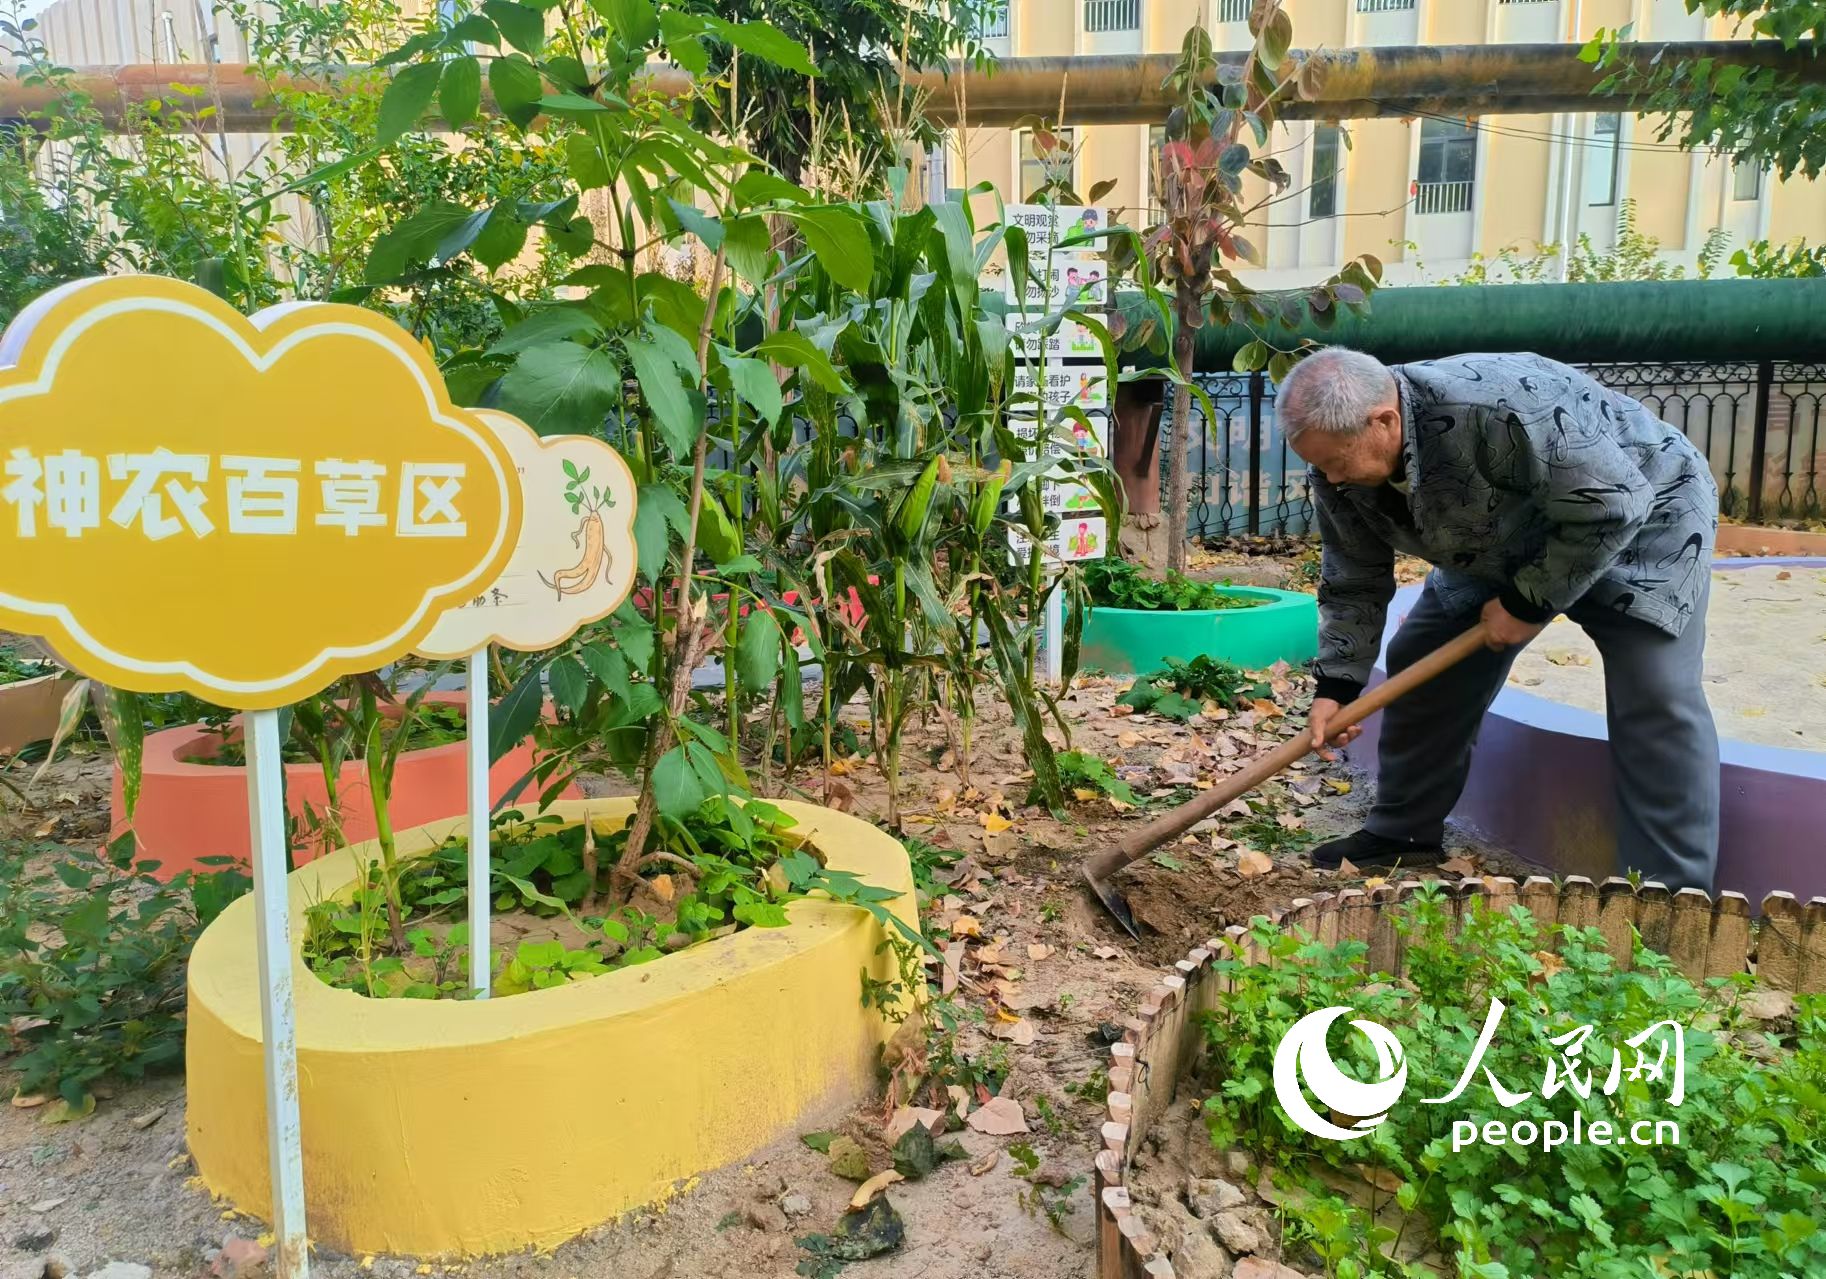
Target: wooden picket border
{"points": [[1705, 937]]}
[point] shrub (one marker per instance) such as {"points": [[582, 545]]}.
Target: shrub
{"points": [[92, 956]]}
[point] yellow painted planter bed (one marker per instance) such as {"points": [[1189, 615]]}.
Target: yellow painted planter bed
{"points": [[444, 1129]]}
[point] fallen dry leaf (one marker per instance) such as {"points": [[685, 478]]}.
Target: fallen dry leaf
{"points": [[1460, 866], [662, 887], [25, 1101], [966, 926], [1020, 1034], [1036, 951], [907, 1117], [986, 1164], [1374, 881], [994, 823], [1550, 963], [999, 1117], [960, 1099], [1265, 708], [1338, 785], [1106, 952], [874, 1186], [1569, 659], [954, 956], [1128, 738], [840, 796], [944, 799], [1381, 1178], [1121, 712], [842, 768], [1249, 862]]}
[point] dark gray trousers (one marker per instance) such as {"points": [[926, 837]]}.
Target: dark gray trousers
{"points": [[1664, 746]]}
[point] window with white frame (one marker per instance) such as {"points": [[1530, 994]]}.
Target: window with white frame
{"points": [[995, 22], [1746, 180], [1322, 184], [1103, 16], [1383, 6], [1601, 159], [1446, 176], [1157, 141], [1233, 10]]}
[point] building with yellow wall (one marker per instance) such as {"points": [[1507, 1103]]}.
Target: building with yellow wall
{"points": [[1424, 195]]}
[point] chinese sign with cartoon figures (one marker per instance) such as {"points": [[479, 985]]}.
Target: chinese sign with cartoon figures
{"points": [[241, 509], [575, 561]]}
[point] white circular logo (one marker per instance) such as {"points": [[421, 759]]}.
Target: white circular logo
{"points": [[1303, 1058]]}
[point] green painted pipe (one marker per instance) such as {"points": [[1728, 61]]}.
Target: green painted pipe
{"points": [[1709, 320]]}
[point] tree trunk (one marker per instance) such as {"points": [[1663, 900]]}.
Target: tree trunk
{"points": [[1179, 494], [1135, 455]]}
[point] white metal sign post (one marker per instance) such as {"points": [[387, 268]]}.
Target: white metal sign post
{"points": [[273, 953], [1064, 369], [573, 565]]}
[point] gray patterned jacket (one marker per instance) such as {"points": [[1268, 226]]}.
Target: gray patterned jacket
{"points": [[1529, 481]]}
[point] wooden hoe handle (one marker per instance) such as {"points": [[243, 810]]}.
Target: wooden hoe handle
{"points": [[1172, 825]]}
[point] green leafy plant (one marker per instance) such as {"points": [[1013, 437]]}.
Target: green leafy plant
{"points": [[1217, 133], [92, 954], [1044, 1195], [1087, 776], [1758, 114], [1115, 583], [1186, 688], [1721, 1200], [1761, 260], [727, 866]]}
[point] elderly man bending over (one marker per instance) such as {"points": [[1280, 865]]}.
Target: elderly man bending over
{"points": [[1533, 491]]}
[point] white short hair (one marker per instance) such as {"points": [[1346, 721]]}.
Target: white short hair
{"points": [[1333, 389]]}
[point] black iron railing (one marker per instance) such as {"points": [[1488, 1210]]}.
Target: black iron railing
{"points": [[1759, 425]]}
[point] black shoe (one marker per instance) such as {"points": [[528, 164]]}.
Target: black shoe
{"points": [[1366, 849]]}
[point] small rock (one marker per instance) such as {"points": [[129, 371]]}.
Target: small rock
{"points": [[239, 1258], [1199, 1257], [984, 1251], [45, 1205], [1207, 1199], [1261, 1268], [122, 1270], [36, 1240], [1237, 1233], [765, 1216], [145, 1121], [57, 1266], [796, 1205], [1236, 1163]]}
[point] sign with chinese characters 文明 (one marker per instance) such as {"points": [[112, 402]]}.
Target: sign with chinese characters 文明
{"points": [[1047, 224], [575, 560], [244, 509]]}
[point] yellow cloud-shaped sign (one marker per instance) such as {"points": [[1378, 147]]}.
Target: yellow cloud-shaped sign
{"points": [[574, 563], [243, 509]]}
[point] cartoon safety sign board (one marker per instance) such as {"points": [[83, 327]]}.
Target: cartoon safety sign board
{"points": [[575, 561], [245, 509]]}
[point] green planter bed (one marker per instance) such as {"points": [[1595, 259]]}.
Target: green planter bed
{"points": [[1129, 641]]}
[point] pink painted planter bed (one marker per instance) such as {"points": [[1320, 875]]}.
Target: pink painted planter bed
{"points": [[190, 811]]}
